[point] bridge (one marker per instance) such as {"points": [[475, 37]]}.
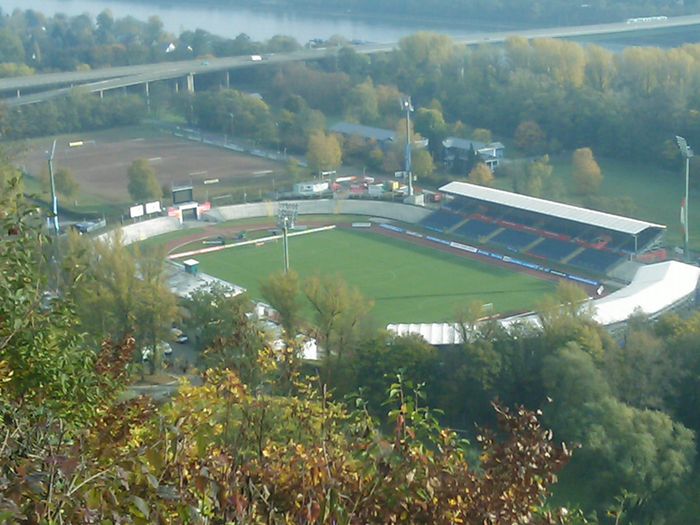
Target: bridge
{"points": [[46, 86]]}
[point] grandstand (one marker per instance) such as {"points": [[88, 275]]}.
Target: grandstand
{"points": [[593, 241]]}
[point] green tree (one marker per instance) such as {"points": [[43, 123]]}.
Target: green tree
{"points": [[323, 152], [143, 184], [340, 314], [482, 135], [585, 172], [66, 184], [530, 138], [45, 362], [122, 292], [422, 164], [282, 292]]}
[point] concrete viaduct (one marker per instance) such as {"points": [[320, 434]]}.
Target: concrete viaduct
{"points": [[19, 91]]}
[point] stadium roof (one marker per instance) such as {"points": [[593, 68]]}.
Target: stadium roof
{"points": [[551, 208], [654, 288]]}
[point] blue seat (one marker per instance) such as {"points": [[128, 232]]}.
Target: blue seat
{"points": [[441, 220], [553, 249], [514, 239], [475, 229], [596, 260]]}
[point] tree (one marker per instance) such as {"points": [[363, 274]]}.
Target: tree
{"points": [[430, 123], [282, 292], [530, 138], [143, 184], [340, 313], [122, 291], [585, 172], [422, 164], [482, 135], [45, 362], [481, 175], [627, 448], [66, 184], [323, 152]]}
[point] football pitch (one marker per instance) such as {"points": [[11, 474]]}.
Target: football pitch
{"points": [[407, 282]]}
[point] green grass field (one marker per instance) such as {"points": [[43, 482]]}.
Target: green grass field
{"points": [[408, 283]]}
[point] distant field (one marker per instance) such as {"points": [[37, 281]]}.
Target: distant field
{"points": [[100, 164], [408, 283]]}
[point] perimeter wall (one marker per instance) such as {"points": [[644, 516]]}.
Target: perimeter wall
{"points": [[388, 210]]}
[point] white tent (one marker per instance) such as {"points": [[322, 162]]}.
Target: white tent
{"points": [[653, 289]]}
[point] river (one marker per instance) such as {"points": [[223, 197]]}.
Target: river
{"points": [[259, 24]]}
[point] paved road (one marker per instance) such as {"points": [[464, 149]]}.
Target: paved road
{"points": [[119, 77]]}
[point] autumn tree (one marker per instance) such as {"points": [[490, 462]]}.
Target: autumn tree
{"points": [[323, 152], [143, 184], [481, 174], [585, 172]]}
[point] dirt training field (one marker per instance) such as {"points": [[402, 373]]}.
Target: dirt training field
{"points": [[100, 164]]}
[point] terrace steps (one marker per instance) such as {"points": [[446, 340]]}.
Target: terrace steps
{"points": [[533, 244], [458, 225], [490, 236], [576, 252]]}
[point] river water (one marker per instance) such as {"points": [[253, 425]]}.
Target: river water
{"points": [[259, 24]]}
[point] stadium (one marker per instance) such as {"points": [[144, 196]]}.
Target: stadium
{"points": [[420, 264]]}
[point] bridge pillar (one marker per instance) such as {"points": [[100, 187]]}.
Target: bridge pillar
{"points": [[228, 80], [190, 83], [19, 94], [148, 98], [177, 86], [102, 94]]}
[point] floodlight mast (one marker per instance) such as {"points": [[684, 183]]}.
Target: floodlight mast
{"points": [[687, 154], [408, 107], [286, 218]]}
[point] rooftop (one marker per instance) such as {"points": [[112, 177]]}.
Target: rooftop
{"points": [[368, 132]]}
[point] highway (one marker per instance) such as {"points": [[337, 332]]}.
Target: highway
{"points": [[124, 76]]}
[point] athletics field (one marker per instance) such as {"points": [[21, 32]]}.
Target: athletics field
{"points": [[408, 282]]}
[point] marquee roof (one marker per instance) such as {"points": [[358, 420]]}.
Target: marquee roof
{"points": [[553, 209]]}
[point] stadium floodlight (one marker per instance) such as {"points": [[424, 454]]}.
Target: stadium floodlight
{"points": [[687, 154], [408, 108], [286, 219]]}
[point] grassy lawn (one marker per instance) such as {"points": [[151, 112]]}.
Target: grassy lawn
{"points": [[408, 283]]}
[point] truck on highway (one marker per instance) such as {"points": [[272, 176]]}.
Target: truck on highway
{"points": [[256, 58]]}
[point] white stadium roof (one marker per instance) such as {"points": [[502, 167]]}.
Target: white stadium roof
{"points": [[551, 208], [654, 289]]}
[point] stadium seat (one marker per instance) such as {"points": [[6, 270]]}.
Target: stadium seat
{"points": [[598, 261], [553, 249], [475, 229], [514, 239], [441, 220]]}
